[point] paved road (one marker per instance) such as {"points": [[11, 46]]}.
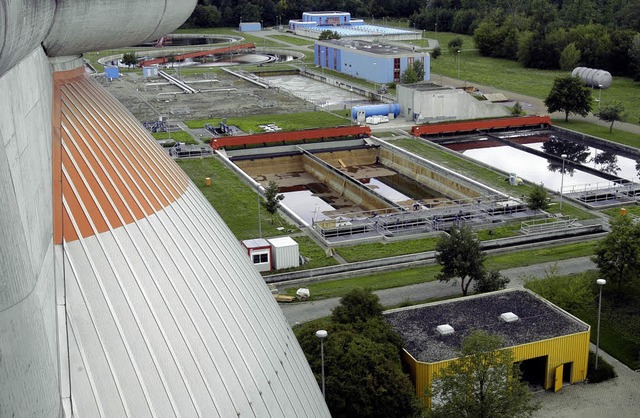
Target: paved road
{"points": [[307, 311]]}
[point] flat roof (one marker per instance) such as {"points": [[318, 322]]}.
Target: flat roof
{"points": [[538, 320], [378, 48]]}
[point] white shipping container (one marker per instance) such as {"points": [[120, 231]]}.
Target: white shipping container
{"points": [[285, 252]]}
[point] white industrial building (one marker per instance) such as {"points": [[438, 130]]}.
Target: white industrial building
{"points": [[426, 102]]}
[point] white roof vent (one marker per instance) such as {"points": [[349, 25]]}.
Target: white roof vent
{"points": [[509, 317], [445, 329]]}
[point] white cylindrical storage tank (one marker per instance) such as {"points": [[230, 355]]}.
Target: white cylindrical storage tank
{"points": [[593, 77], [285, 252]]}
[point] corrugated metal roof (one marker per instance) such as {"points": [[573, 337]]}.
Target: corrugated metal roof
{"points": [[166, 316]]}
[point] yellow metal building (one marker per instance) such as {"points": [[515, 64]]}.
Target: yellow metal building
{"points": [[551, 345]]}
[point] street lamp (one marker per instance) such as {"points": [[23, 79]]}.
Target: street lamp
{"points": [[322, 334], [600, 282], [599, 96], [375, 85], [563, 156], [458, 64]]}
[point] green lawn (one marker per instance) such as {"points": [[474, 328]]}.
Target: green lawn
{"points": [[287, 122], [180, 136], [545, 254], [236, 202], [387, 280], [258, 41], [293, 40], [405, 277], [314, 254], [376, 250], [621, 137]]}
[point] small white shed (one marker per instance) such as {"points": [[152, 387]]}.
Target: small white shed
{"points": [[285, 252], [259, 251]]}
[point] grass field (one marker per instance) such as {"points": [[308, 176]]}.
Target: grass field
{"points": [[405, 277], [376, 250], [234, 201], [293, 40], [287, 122], [621, 137], [180, 136]]}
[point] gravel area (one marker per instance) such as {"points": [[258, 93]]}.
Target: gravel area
{"points": [[235, 98]]}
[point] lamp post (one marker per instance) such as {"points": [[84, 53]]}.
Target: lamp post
{"points": [[322, 61], [458, 64], [563, 156], [375, 85], [600, 282], [322, 334], [599, 96]]}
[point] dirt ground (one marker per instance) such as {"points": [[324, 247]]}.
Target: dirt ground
{"points": [[235, 97]]}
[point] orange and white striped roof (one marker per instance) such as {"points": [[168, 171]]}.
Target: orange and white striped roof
{"points": [[165, 314]]}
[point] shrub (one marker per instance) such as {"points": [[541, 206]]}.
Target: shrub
{"points": [[605, 370]]}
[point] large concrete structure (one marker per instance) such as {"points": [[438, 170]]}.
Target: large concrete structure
{"points": [[551, 345], [122, 292], [426, 102]]}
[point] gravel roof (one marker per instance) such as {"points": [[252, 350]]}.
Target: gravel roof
{"points": [[538, 320]]}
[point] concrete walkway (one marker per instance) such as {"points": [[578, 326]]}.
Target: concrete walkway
{"points": [[619, 397]]}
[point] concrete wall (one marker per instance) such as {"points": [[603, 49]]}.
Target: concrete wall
{"points": [[432, 177], [28, 334], [349, 188]]}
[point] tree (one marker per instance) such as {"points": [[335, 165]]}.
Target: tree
{"points": [[538, 198], [272, 198], [461, 257], [483, 382], [572, 293], [129, 59], [517, 109], [618, 255], [570, 57], [491, 282], [569, 95], [455, 44], [611, 113], [329, 34], [363, 371], [356, 306], [634, 57], [437, 51], [409, 75]]}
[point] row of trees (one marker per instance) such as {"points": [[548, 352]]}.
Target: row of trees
{"points": [[228, 13], [543, 34]]}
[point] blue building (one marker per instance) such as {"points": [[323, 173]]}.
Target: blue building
{"points": [[371, 61]]}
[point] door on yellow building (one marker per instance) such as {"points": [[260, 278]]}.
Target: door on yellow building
{"points": [[557, 385]]}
